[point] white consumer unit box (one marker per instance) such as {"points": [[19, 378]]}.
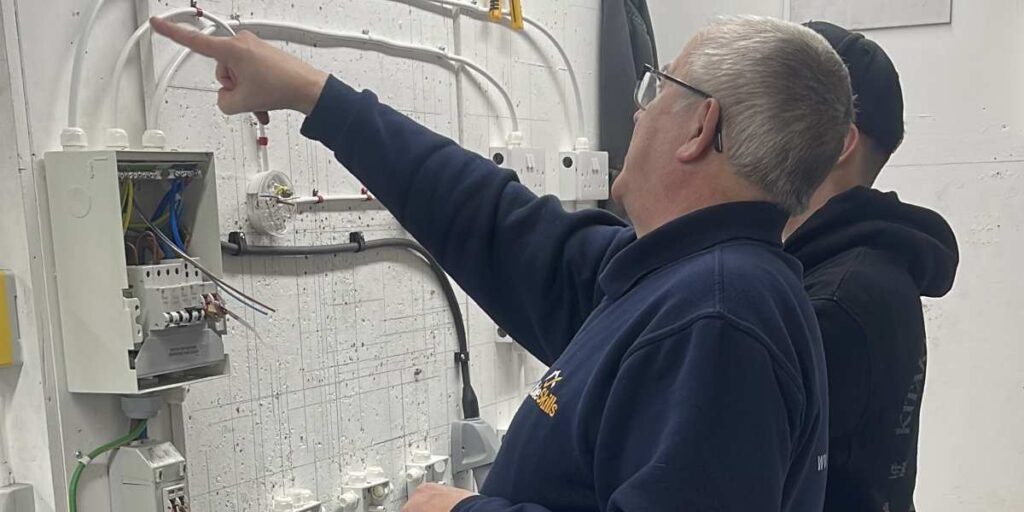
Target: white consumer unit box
{"points": [[134, 317]]}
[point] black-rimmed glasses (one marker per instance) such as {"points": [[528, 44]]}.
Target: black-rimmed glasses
{"points": [[650, 85]]}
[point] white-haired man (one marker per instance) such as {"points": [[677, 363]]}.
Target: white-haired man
{"points": [[687, 370]]}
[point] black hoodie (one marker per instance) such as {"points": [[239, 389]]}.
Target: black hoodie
{"points": [[868, 259]]}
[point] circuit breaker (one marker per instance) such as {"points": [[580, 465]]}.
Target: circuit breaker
{"points": [[177, 330], [148, 477], [133, 317]]}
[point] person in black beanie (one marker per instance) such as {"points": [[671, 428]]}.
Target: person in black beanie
{"points": [[868, 259]]}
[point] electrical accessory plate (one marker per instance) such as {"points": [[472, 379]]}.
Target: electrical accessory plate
{"points": [[528, 163], [583, 175]]}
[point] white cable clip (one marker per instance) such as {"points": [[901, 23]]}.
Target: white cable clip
{"points": [[83, 459]]}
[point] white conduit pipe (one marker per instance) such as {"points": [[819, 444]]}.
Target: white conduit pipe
{"points": [[126, 50], [581, 126], [153, 116], [286, 31], [76, 65], [484, 14], [327, 198]]}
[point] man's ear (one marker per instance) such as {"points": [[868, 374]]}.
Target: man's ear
{"points": [[849, 144], [701, 136]]}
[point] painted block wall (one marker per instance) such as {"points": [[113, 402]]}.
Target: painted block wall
{"points": [[963, 156], [356, 368]]}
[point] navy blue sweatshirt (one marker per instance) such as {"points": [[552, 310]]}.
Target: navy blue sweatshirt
{"points": [[686, 367]]}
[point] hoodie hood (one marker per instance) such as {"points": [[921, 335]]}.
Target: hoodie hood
{"points": [[914, 238]]}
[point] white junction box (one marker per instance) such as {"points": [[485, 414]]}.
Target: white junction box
{"points": [[134, 318], [148, 477], [528, 164], [583, 175], [426, 468], [365, 491]]}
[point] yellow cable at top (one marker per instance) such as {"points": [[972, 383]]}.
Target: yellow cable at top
{"points": [[126, 211], [515, 9]]}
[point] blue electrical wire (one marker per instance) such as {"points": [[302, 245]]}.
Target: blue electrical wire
{"points": [[163, 205], [172, 203], [175, 211]]}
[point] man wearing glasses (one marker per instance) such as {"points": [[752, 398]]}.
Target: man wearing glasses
{"points": [[686, 368]]}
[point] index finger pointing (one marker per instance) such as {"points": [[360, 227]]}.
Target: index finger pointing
{"points": [[214, 47]]}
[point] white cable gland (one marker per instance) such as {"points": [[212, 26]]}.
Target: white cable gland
{"points": [[154, 140], [293, 499], [415, 476], [116, 138], [420, 456], [514, 139], [356, 478], [283, 504], [348, 502], [73, 138], [380, 492]]}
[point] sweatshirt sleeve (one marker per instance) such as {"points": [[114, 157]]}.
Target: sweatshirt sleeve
{"points": [[529, 264], [698, 419]]}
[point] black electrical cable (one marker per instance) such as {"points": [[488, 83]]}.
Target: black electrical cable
{"points": [[237, 246]]}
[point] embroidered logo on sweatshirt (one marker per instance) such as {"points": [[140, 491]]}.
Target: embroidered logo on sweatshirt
{"points": [[542, 394]]}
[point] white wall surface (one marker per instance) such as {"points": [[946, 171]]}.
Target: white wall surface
{"points": [[333, 385], [963, 156], [676, 21], [23, 425]]}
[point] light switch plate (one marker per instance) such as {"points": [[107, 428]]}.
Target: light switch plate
{"points": [[528, 163], [583, 175]]}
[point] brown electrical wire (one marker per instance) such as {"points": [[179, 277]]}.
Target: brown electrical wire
{"points": [[186, 235], [154, 247], [131, 254]]}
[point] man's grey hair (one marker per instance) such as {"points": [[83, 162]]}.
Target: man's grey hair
{"points": [[785, 98]]}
